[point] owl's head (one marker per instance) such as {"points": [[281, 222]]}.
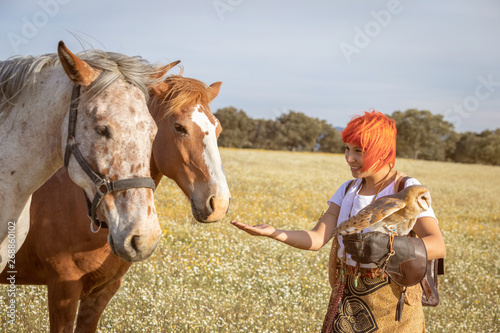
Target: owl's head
{"points": [[421, 194]]}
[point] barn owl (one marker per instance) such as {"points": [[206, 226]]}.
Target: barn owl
{"points": [[396, 212]]}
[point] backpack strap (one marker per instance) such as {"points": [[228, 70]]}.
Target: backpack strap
{"points": [[401, 183], [351, 183]]}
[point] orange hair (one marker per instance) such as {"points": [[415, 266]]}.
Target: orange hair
{"points": [[375, 133]]}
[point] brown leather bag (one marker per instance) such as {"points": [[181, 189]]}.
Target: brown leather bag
{"points": [[412, 271], [430, 295]]}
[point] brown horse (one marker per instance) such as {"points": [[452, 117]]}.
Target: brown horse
{"points": [[78, 265]]}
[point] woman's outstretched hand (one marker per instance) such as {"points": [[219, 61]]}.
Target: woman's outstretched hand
{"points": [[256, 230]]}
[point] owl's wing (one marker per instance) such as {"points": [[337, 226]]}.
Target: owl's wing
{"points": [[371, 214]]}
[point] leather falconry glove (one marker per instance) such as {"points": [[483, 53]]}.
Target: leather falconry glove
{"points": [[407, 266]]}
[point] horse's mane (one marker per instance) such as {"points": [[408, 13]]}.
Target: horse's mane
{"points": [[18, 74], [183, 92]]}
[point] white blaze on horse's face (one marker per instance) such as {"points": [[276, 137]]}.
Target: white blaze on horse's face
{"points": [[116, 134], [218, 202]]}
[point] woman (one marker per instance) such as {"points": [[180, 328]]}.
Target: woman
{"points": [[363, 300]]}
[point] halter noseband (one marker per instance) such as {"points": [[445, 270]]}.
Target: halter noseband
{"points": [[103, 185]]}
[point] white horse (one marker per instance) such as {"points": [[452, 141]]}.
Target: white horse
{"points": [[107, 137]]}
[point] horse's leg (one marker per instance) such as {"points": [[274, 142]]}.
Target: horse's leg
{"points": [[92, 306], [63, 303]]}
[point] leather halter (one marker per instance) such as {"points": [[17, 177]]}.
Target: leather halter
{"points": [[103, 185]]}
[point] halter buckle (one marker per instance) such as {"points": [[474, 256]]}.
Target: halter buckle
{"points": [[103, 187], [71, 141]]}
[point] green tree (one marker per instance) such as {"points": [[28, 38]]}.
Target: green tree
{"points": [[490, 152], [236, 128], [267, 134], [422, 135], [330, 140], [481, 148], [299, 131]]}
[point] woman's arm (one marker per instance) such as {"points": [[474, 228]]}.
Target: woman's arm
{"points": [[428, 230], [306, 240]]}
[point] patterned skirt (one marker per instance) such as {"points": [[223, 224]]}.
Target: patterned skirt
{"points": [[371, 307]]}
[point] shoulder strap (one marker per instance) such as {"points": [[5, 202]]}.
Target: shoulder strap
{"points": [[400, 179], [402, 183], [351, 183]]}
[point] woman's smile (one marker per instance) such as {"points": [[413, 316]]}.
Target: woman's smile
{"points": [[355, 168]]}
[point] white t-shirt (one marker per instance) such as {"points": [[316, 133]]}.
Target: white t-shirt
{"points": [[352, 202]]}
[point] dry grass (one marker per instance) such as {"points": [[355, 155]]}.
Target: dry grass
{"points": [[214, 278]]}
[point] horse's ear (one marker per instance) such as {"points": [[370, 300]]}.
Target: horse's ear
{"points": [[159, 89], [78, 70], [162, 70], [213, 90]]}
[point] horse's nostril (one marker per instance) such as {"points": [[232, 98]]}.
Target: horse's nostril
{"points": [[211, 204], [134, 243]]}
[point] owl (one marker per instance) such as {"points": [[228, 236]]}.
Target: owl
{"points": [[397, 212]]}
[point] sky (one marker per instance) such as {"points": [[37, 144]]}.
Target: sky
{"points": [[329, 59]]}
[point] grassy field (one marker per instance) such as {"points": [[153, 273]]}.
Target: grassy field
{"points": [[215, 278]]}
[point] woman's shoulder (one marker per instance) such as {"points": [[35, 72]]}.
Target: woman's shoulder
{"points": [[402, 180], [411, 181]]}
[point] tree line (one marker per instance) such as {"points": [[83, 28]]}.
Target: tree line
{"points": [[421, 135]]}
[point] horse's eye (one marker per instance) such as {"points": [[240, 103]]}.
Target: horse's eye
{"points": [[179, 128], [103, 131]]}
